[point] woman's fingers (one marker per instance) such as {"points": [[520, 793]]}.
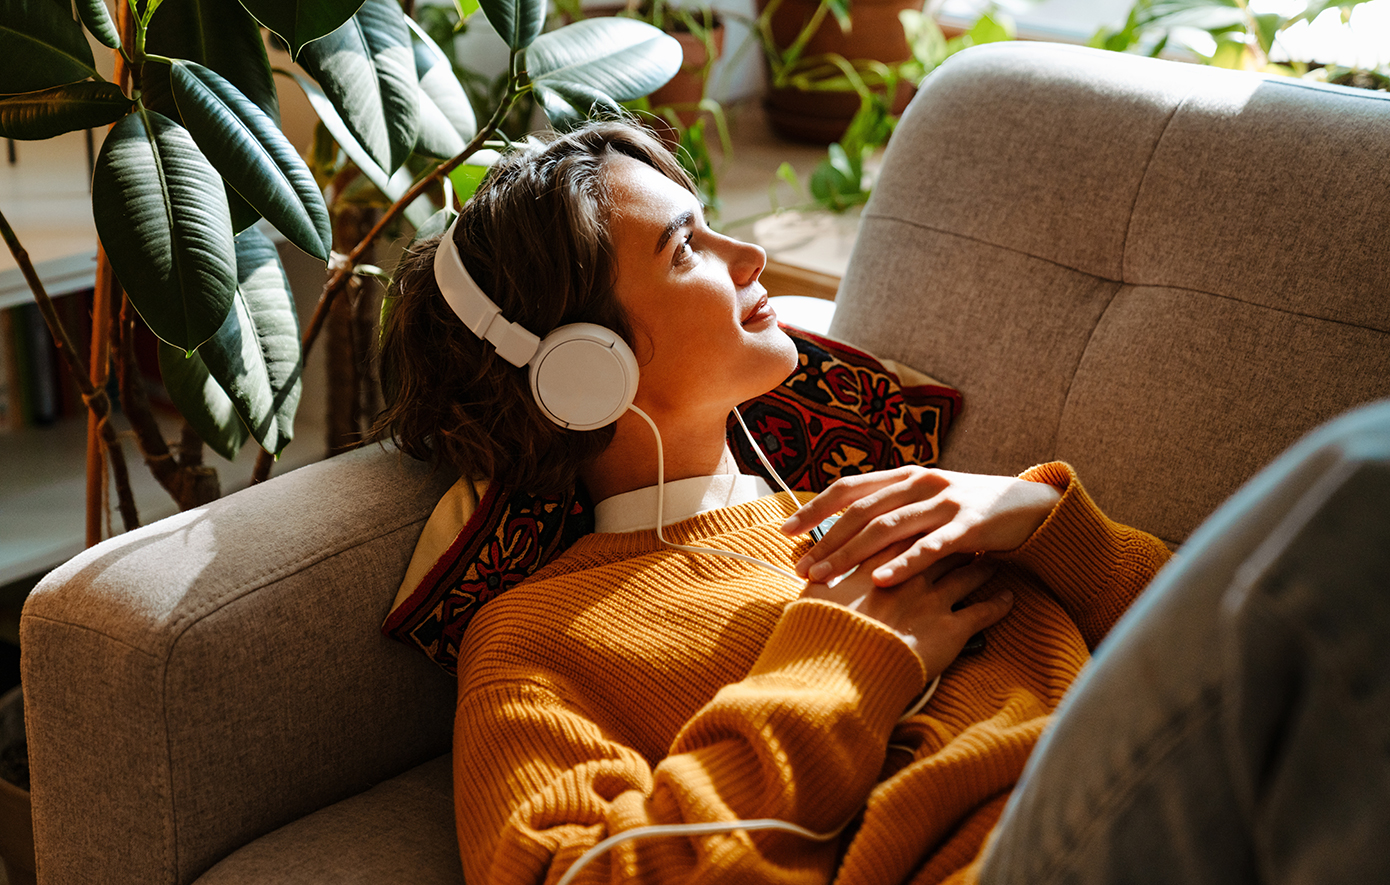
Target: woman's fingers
{"points": [[917, 558], [985, 613], [840, 495], [877, 518]]}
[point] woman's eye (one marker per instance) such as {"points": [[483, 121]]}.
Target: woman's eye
{"points": [[684, 251]]}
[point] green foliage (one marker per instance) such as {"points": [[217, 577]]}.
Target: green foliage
{"points": [[1243, 39], [97, 18], [256, 366], [518, 22], [162, 215], [367, 70], [300, 22], [839, 181], [44, 114], [196, 152], [447, 121], [592, 65], [41, 46]]}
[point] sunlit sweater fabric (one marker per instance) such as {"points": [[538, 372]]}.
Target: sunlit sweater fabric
{"points": [[627, 685]]}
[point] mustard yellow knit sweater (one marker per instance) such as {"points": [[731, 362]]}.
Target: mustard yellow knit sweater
{"points": [[627, 685]]}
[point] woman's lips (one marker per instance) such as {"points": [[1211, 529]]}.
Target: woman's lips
{"points": [[762, 311]]}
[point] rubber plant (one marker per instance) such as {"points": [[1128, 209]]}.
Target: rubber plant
{"points": [[195, 156]]}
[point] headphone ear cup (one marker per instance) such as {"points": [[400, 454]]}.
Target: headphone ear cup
{"points": [[583, 376]]}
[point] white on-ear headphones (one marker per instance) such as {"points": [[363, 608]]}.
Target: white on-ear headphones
{"points": [[583, 375]]}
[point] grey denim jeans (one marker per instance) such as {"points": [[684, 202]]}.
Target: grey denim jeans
{"points": [[1235, 725]]}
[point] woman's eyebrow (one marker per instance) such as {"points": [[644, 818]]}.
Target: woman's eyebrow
{"points": [[675, 224]]}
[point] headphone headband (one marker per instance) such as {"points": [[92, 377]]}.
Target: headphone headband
{"points": [[478, 312]]}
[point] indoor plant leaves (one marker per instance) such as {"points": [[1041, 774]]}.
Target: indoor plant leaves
{"points": [[393, 186], [367, 70], [161, 214], [599, 61], [37, 115], [41, 46], [201, 401], [97, 18], [253, 155], [222, 36], [447, 121], [255, 356], [299, 22], [518, 22]]}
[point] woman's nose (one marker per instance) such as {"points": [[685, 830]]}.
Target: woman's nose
{"points": [[746, 261]]}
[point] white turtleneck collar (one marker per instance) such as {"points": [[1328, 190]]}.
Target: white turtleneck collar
{"points": [[635, 511]]}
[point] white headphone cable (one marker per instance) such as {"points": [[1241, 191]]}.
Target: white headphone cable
{"points": [[660, 508], [697, 829]]}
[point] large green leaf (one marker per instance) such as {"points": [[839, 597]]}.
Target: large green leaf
{"points": [[255, 356], [253, 155], [367, 69], [519, 22], [41, 46], [202, 403], [35, 116], [299, 22], [599, 62], [97, 18], [447, 121], [161, 215], [220, 35], [393, 186]]}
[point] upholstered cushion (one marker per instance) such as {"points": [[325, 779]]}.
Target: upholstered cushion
{"points": [[401, 830], [840, 412], [1181, 272]]}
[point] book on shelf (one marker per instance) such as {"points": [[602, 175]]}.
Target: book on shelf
{"points": [[36, 389]]}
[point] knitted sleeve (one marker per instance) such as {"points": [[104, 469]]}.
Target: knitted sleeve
{"points": [[1095, 566], [802, 739]]}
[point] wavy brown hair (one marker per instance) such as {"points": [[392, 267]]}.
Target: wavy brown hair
{"points": [[535, 238]]}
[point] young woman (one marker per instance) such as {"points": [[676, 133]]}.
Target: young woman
{"points": [[637, 712]]}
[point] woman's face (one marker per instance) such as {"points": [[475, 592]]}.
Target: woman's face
{"points": [[705, 337]]}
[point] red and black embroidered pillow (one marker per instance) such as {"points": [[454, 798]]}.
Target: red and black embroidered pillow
{"points": [[841, 412]]}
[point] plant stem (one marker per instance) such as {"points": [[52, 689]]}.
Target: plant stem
{"points": [[191, 486], [344, 265], [95, 399]]}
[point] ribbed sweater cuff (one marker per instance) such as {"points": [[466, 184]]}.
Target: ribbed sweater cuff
{"points": [[1077, 544], [821, 644]]}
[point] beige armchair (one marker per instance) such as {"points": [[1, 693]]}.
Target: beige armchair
{"points": [[1161, 273]]}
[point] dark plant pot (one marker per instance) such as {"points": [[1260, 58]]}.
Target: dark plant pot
{"points": [[16, 817], [821, 117]]}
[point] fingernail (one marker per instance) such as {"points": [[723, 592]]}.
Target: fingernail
{"points": [[820, 571], [1007, 596], [803, 565], [791, 526]]}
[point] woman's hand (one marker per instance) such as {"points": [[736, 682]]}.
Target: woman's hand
{"points": [[939, 512], [920, 609]]}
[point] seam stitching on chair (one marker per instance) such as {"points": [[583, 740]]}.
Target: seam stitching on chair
{"points": [[1143, 177], [880, 216]]}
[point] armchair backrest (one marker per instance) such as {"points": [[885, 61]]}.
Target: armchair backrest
{"points": [[1161, 273]]}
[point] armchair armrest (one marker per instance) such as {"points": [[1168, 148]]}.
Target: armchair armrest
{"points": [[196, 683]]}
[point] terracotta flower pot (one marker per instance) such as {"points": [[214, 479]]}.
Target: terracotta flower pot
{"points": [[688, 86], [876, 33]]}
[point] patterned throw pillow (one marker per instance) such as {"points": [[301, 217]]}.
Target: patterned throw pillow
{"points": [[841, 412]]}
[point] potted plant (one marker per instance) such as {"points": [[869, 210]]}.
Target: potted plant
{"points": [[823, 59], [195, 137], [1237, 36]]}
